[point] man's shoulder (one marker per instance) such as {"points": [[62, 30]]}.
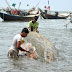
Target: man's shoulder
{"points": [[18, 35], [37, 22]]}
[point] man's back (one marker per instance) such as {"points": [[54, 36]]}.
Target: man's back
{"points": [[15, 40]]}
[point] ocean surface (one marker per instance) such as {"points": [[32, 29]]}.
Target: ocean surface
{"points": [[54, 30]]}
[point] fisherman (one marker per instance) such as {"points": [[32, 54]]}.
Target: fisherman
{"points": [[70, 18], [15, 12], [12, 12], [33, 25], [16, 44], [7, 11]]}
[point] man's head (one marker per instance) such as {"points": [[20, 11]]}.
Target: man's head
{"points": [[24, 32], [35, 18]]}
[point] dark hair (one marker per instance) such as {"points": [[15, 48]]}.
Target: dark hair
{"points": [[36, 17], [25, 30]]}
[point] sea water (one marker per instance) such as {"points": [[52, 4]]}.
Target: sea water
{"points": [[54, 30]]}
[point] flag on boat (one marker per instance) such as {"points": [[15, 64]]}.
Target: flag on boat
{"points": [[13, 4], [48, 7]]}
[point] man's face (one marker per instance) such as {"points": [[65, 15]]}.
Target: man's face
{"points": [[34, 19], [24, 34]]}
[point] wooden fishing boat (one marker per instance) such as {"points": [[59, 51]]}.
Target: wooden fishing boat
{"points": [[51, 16], [9, 17]]}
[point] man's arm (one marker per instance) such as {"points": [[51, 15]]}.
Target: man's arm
{"points": [[19, 47], [36, 26], [35, 29], [29, 29]]}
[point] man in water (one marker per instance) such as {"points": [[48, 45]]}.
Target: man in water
{"points": [[70, 18], [16, 44], [33, 25]]}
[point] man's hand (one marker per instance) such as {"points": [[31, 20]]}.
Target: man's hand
{"points": [[29, 29], [35, 29]]}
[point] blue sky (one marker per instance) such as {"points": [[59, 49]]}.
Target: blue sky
{"points": [[55, 5]]}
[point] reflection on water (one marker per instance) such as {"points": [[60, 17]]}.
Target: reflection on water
{"points": [[53, 30]]}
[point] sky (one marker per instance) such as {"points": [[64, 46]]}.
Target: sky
{"points": [[55, 5]]}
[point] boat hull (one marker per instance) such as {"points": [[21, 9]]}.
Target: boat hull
{"points": [[51, 16], [8, 17], [46, 16]]}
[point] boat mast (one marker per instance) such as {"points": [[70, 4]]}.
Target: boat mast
{"points": [[48, 7], [48, 2], [19, 5], [37, 3], [8, 4]]}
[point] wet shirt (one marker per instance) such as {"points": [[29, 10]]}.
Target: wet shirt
{"points": [[17, 38], [35, 25]]}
